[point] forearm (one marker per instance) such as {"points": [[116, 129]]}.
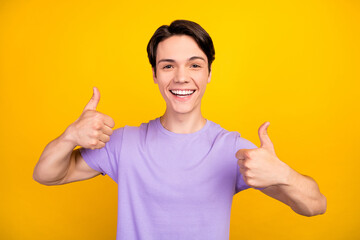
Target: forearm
{"points": [[303, 194], [54, 160]]}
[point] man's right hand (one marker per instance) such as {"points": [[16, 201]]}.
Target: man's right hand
{"points": [[92, 129]]}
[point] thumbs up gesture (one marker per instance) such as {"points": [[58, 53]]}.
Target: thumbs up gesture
{"points": [[92, 129], [260, 167]]}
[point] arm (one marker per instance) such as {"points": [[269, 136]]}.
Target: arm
{"points": [[261, 168], [301, 193], [59, 163]]}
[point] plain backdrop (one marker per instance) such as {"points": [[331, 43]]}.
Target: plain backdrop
{"points": [[292, 63]]}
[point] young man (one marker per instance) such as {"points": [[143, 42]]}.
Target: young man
{"points": [[176, 174]]}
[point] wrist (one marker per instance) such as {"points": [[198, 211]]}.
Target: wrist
{"points": [[288, 174], [69, 137]]}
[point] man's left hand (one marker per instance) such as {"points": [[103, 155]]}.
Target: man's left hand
{"points": [[260, 167]]}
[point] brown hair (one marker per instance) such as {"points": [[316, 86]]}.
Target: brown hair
{"points": [[182, 27]]}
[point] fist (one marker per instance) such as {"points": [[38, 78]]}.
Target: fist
{"points": [[92, 129], [260, 167]]}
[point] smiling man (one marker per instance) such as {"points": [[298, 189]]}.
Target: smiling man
{"points": [[176, 174], [182, 74]]}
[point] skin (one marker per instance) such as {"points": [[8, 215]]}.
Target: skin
{"points": [[261, 168], [181, 64], [59, 163], [182, 67]]}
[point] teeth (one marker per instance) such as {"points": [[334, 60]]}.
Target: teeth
{"points": [[182, 92]]}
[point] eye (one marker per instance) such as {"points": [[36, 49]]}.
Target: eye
{"points": [[167, 66], [195, 66]]}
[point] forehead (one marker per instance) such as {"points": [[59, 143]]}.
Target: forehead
{"points": [[178, 47]]}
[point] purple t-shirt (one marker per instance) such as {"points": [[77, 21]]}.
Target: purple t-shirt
{"points": [[170, 185]]}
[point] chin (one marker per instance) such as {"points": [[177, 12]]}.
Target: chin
{"points": [[182, 109]]}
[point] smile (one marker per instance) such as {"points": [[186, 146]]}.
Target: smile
{"points": [[182, 93]]}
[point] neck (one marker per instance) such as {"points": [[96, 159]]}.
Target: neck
{"points": [[182, 122]]}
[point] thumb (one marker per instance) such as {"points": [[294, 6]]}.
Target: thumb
{"points": [[92, 104], [264, 137]]}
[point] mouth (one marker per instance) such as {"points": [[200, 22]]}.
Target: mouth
{"points": [[182, 93]]}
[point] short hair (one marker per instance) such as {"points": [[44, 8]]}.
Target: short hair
{"points": [[182, 27]]}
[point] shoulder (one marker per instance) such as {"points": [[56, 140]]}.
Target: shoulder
{"points": [[134, 133], [233, 136], [221, 132], [138, 129], [242, 143]]}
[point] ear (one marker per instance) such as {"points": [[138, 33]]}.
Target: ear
{"points": [[209, 78], [154, 77]]}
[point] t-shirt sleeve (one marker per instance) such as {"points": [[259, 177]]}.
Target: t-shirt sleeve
{"points": [[242, 143], [106, 159]]}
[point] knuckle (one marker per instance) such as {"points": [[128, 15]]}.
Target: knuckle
{"points": [[96, 134], [245, 166], [250, 182], [249, 154], [101, 145], [93, 142], [97, 125], [99, 116], [249, 175], [248, 164]]}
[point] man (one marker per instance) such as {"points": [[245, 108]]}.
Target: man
{"points": [[176, 174]]}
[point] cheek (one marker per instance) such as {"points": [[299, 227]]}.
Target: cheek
{"points": [[164, 77], [162, 84], [201, 80]]}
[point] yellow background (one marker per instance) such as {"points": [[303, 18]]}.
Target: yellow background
{"points": [[293, 63]]}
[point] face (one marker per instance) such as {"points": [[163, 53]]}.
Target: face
{"points": [[181, 73]]}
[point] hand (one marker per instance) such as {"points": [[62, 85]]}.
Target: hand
{"points": [[260, 167], [92, 129]]}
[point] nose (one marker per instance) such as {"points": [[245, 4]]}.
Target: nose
{"points": [[181, 75]]}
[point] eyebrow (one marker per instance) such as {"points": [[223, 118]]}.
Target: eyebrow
{"points": [[172, 60]]}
